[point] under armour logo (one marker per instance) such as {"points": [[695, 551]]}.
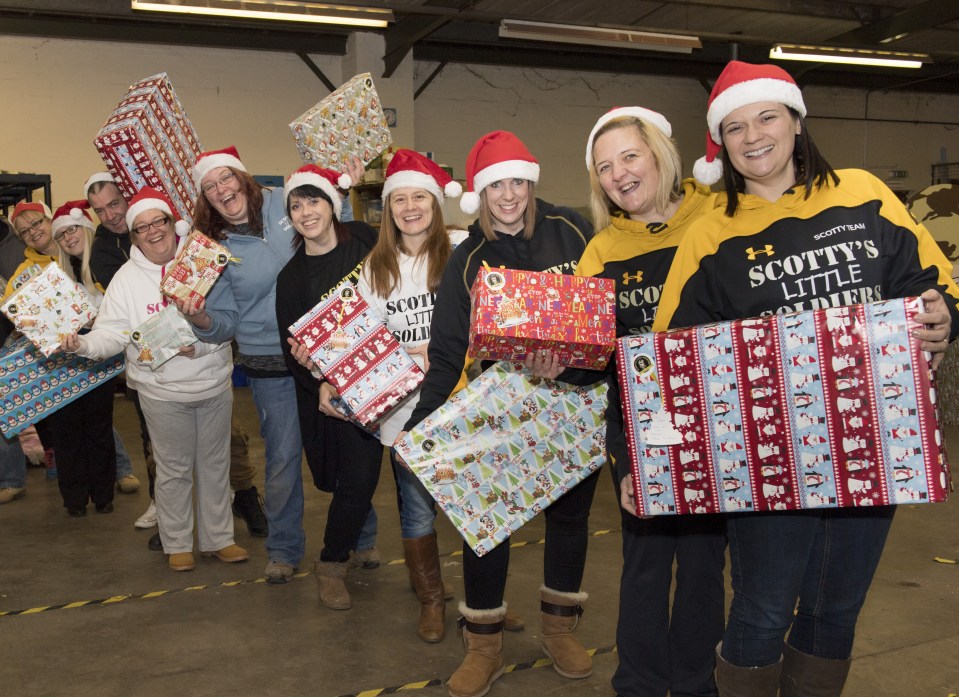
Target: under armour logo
{"points": [[751, 253], [638, 276]]}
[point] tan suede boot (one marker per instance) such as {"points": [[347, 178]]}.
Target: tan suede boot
{"points": [[331, 582], [423, 562], [483, 638], [804, 675], [560, 613], [736, 681]]}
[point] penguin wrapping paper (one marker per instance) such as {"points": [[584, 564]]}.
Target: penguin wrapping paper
{"points": [[515, 312], [48, 307], [33, 385], [348, 122], [504, 448], [148, 140], [818, 409], [357, 354], [195, 269]]}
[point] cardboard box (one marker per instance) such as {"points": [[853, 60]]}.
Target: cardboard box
{"points": [[33, 386], [196, 267], [148, 140], [827, 408], [515, 312], [357, 354], [347, 123], [48, 307], [504, 448]]}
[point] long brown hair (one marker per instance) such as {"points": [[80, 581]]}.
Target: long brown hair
{"points": [[382, 265], [208, 220], [529, 215], [309, 191]]}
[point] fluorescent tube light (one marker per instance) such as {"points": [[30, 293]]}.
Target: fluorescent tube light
{"points": [[277, 10], [597, 36], [848, 56]]}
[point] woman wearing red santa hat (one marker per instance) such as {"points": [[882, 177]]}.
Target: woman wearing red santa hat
{"points": [[31, 222], [802, 572], [515, 230], [187, 401], [343, 458]]}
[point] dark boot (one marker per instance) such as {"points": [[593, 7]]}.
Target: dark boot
{"points": [[483, 638], [423, 562], [734, 681], [560, 613], [331, 583], [248, 504], [809, 676]]}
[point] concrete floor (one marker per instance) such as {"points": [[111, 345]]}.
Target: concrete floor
{"points": [[143, 630]]}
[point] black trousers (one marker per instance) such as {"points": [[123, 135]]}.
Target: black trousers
{"points": [[564, 556]]}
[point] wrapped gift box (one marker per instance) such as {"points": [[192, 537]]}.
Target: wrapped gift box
{"points": [[357, 354], [347, 123], [195, 269], [504, 448], [33, 386], [826, 408], [48, 307], [148, 140], [515, 312], [159, 338]]}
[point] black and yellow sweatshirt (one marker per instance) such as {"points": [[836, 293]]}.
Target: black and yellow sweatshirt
{"points": [[846, 244], [559, 239]]}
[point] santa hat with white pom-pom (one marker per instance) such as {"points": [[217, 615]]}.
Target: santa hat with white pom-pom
{"points": [[497, 155], [147, 199], [72, 213], [212, 159], [326, 180], [738, 85], [409, 168]]}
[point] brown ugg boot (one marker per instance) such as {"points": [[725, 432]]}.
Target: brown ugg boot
{"points": [[331, 582], [736, 681], [423, 562], [483, 638], [560, 613], [804, 675]]}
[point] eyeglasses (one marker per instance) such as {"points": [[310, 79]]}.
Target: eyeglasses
{"points": [[60, 234], [155, 223], [210, 187], [32, 227]]}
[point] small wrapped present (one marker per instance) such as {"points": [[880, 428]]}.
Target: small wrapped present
{"points": [[357, 354], [826, 408], [196, 267], [34, 385], [148, 140], [516, 312], [49, 307], [504, 448], [347, 123], [159, 338]]}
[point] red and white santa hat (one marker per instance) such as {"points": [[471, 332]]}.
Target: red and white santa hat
{"points": [[647, 115], [97, 177], [738, 85], [497, 155], [326, 180], [211, 159], [149, 198], [36, 206], [409, 168], [72, 213]]}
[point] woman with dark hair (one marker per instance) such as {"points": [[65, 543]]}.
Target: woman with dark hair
{"points": [[327, 252], [847, 239], [517, 231]]}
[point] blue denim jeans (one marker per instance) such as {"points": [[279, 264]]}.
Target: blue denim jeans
{"points": [[13, 467], [275, 400], [802, 572], [124, 466], [417, 508]]}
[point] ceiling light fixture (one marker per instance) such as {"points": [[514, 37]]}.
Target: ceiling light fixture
{"points": [[277, 10], [848, 56], [597, 36]]}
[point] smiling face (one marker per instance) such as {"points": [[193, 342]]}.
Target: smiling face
{"points": [[110, 207], [153, 233], [72, 240], [35, 230], [224, 191], [412, 210], [760, 139], [507, 200], [627, 171], [312, 217]]}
